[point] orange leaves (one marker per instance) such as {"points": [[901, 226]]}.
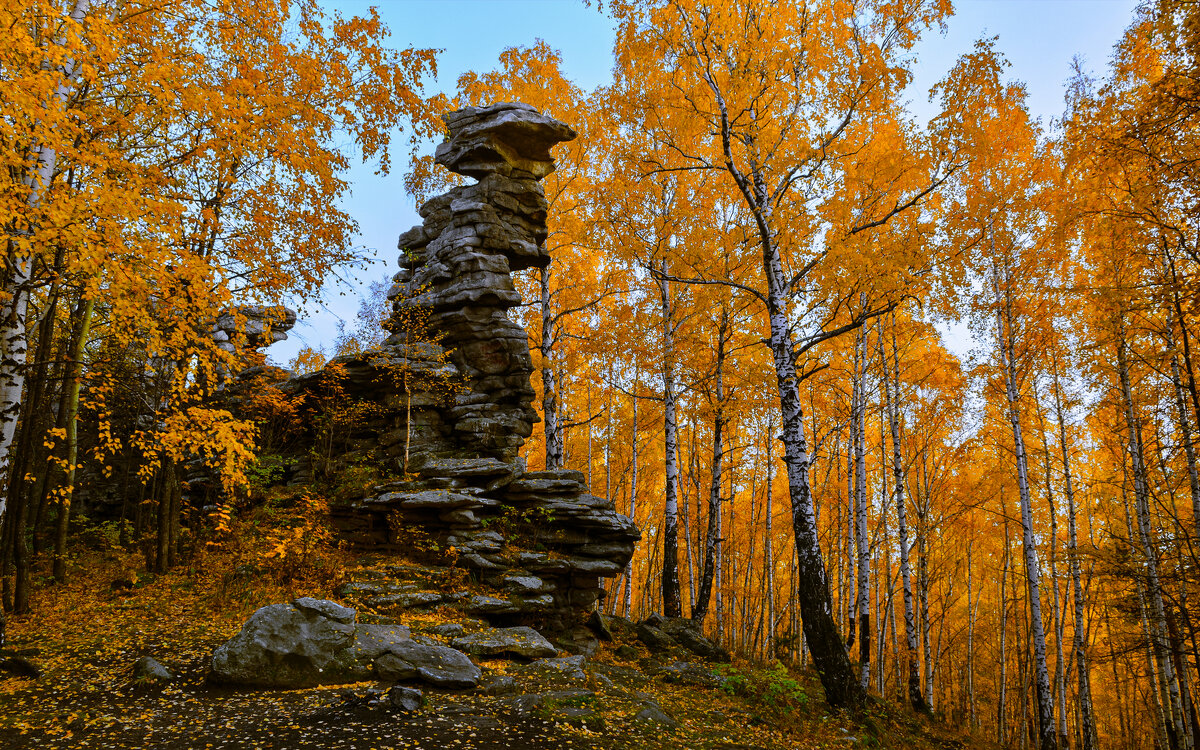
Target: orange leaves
{"points": [[223, 443], [300, 540], [199, 162]]}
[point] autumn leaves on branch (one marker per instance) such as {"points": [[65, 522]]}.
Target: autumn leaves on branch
{"points": [[168, 162]]}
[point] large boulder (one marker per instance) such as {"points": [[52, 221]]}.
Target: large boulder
{"points": [[317, 642], [290, 645]]}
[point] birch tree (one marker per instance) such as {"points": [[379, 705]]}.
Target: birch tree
{"points": [[762, 90]]}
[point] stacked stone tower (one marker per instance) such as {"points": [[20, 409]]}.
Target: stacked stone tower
{"points": [[538, 538], [458, 264]]}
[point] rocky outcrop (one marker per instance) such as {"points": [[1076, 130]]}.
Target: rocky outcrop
{"points": [[664, 634], [453, 401]]}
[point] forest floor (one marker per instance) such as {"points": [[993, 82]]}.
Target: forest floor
{"points": [[85, 635]]}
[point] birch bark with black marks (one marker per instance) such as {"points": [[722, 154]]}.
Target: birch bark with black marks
{"points": [[1006, 349], [18, 267], [1060, 674], [1001, 723], [768, 541], [551, 422], [1181, 410], [632, 494], [972, 605], [1156, 609], [892, 398], [670, 546], [712, 536], [863, 601], [1087, 717]]}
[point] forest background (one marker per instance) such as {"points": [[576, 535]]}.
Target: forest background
{"points": [[758, 245]]}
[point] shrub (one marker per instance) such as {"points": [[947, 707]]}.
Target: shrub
{"points": [[772, 688]]}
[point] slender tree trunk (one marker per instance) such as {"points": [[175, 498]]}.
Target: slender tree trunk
{"points": [[768, 540], [860, 515], [1184, 336], [1001, 723], [1154, 594], [1087, 718], [1060, 674], [70, 409], [632, 495], [923, 578], [608, 433], [1181, 412], [892, 395], [670, 566], [712, 536], [551, 424], [1006, 347], [971, 607], [847, 600]]}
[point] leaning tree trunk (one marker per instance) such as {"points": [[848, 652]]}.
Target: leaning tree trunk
{"points": [[1154, 594], [1047, 739], [820, 631], [1181, 411]]}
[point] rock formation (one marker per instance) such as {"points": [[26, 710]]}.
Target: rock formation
{"points": [[457, 264], [252, 327], [453, 395]]}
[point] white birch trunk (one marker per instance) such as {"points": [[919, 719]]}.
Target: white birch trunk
{"points": [[1154, 594], [1001, 708], [670, 546], [768, 542], [892, 395], [709, 577], [18, 273], [1087, 718], [632, 496], [552, 426], [1047, 739], [860, 516]]}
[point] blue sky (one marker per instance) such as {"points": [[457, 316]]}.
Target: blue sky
{"points": [[1039, 37]]}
